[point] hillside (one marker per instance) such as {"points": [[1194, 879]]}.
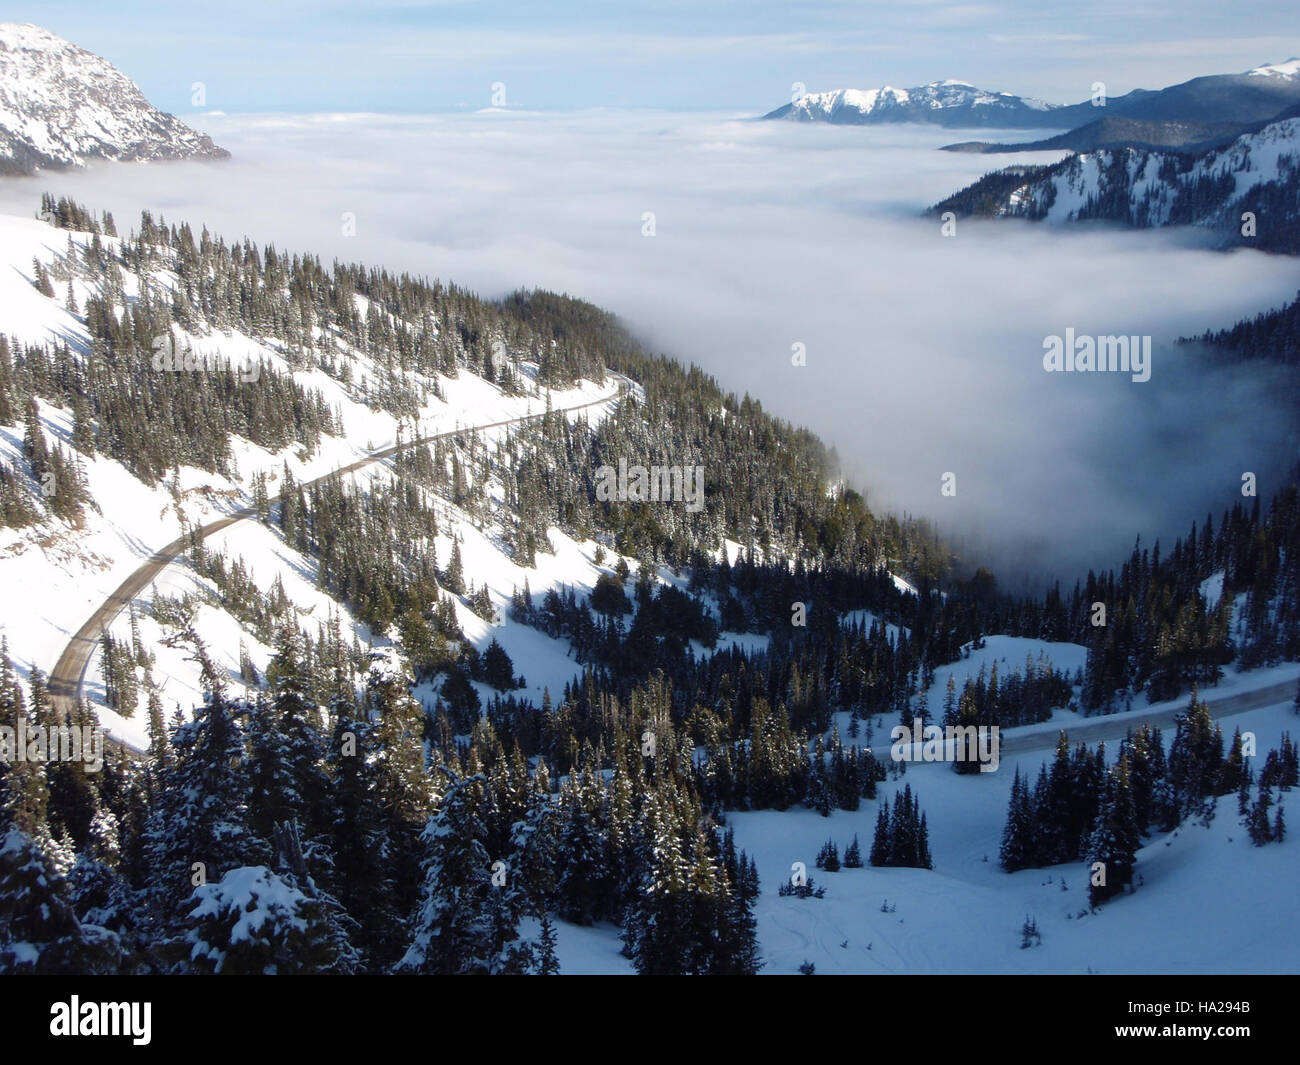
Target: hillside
{"points": [[1116, 133], [1257, 174], [465, 708]]}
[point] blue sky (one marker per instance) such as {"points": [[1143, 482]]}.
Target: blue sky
{"points": [[431, 55]]}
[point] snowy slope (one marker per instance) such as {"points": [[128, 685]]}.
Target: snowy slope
{"points": [[54, 576], [965, 914], [61, 106], [1138, 187]]}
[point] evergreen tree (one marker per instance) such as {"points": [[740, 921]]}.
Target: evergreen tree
{"points": [[1020, 833], [255, 922], [39, 931], [1114, 841], [882, 844], [457, 928], [454, 579], [547, 962], [198, 829]]}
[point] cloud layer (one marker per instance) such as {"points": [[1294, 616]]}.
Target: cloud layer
{"points": [[924, 352]]}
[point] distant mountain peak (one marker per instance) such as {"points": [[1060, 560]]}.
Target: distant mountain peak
{"points": [[1289, 68], [949, 102], [1256, 95], [62, 106]]}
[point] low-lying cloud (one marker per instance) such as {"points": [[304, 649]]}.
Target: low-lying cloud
{"points": [[924, 353]]}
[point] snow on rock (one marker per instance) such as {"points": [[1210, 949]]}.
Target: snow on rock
{"points": [[61, 106], [1288, 69]]}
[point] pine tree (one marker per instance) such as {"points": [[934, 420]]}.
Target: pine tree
{"points": [[198, 829], [882, 844], [548, 964], [34, 446], [656, 931], [583, 877], [818, 795], [361, 844], [39, 931], [498, 670], [1114, 841], [828, 857], [24, 793], [42, 280], [1020, 832], [1258, 826], [454, 579], [74, 801], [465, 923], [292, 759], [254, 921]]}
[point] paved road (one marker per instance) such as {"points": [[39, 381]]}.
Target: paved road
{"points": [[1109, 729], [69, 674], [1112, 729]]}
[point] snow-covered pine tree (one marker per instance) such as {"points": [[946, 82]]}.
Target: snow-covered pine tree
{"points": [[39, 931], [464, 923], [1114, 840]]}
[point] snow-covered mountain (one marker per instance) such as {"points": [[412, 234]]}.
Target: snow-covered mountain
{"points": [[1257, 95], [1258, 173], [945, 103], [1289, 70], [61, 106]]}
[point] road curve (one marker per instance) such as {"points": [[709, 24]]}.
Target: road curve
{"points": [[69, 674]]}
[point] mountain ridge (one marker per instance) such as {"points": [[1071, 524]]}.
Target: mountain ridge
{"points": [[1252, 96], [1256, 175]]}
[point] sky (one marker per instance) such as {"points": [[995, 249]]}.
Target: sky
{"points": [[414, 56]]}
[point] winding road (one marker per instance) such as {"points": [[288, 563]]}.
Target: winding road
{"points": [[68, 677]]}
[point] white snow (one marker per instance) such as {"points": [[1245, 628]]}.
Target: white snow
{"points": [[1287, 69], [965, 915], [1212, 589], [54, 577]]}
